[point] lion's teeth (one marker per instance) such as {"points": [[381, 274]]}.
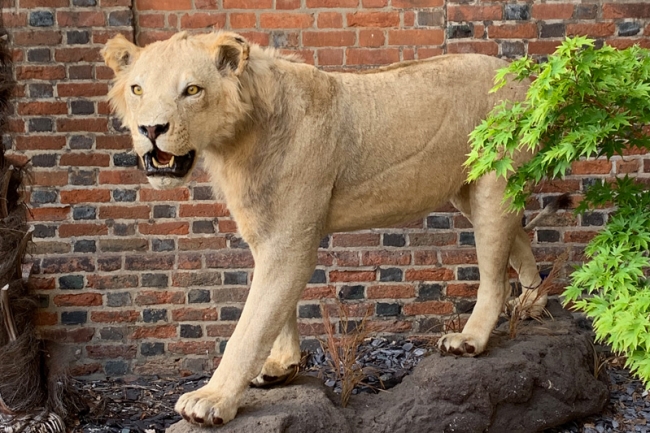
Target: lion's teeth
{"points": [[159, 165], [171, 162]]}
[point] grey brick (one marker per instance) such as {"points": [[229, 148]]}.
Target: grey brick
{"points": [[85, 246], [429, 292], [151, 315], [352, 292], [83, 177], [39, 55], [74, 317], [318, 277], [325, 242], [126, 159], [198, 296], [390, 274], [438, 222], [43, 196], [164, 211], [84, 3], [111, 334], [467, 238], [76, 37], [124, 229], [469, 273], [235, 278], [43, 231], [548, 236], [124, 195], [41, 90], [40, 124], [517, 12], [71, 282], [386, 309], [152, 349], [118, 299], [230, 313], [80, 142], [628, 28], [191, 331], [512, 49], [163, 245], [44, 160], [592, 219], [555, 30], [205, 226], [309, 311], [458, 31], [84, 213], [202, 193], [41, 19], [120, 18], [116, 368], [155, 280], [82, 107], [393, 240]]}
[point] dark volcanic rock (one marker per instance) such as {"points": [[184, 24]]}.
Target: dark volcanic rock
{"points": [[541, 379]]}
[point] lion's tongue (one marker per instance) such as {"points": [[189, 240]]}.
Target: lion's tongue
{"points": [[163, 157]]}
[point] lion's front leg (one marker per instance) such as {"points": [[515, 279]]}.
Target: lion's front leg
{"points": [[281, 272]]}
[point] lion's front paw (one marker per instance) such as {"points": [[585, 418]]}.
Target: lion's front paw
{"points": [[274, 373], [460, 344], [206, 407]]}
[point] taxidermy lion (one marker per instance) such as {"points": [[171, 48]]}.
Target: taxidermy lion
{"points": [[299, 153]]}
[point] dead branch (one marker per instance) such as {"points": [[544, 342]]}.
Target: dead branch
{"points": [[7, 317]]}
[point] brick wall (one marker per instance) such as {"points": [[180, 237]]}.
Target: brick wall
{"points": [[134, 278]]}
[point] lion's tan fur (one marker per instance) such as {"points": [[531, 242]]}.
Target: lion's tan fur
{"points": [[299, 153]]}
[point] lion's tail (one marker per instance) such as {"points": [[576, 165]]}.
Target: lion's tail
{"points": [[561, 202]]}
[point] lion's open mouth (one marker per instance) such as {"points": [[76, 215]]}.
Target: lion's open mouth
{"points": [[159, 163]]}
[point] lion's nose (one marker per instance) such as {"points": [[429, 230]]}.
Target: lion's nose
{"points": [[153, 131]]}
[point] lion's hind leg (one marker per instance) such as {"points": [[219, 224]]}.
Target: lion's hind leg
{"points": [[282, 365], [531, 302]]}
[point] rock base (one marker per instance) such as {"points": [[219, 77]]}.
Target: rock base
{"points": [[541, 379]]}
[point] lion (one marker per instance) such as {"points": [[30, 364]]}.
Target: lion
{"points": [[299, 153]]}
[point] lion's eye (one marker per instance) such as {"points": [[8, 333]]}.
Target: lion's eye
{"points": [[192, 90], [137, 90]]}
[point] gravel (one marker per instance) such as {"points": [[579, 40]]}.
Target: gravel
{"points": [[146, 404]]}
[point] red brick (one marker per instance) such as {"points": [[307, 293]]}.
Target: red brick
{"points": [[161, 331], [374, 3], [165, 5], [115, 3], [221, 330], [346, 258], [287, 4], [332, 3], [126, 351], [64, 335], [429, 307], [426, 257], [631, 166], [203, 210], [45, 318], [175, 228], [416, 37], [429, 274], [78, 299], [474, 13], [513, 31], [636, 10], [352, 276], [82, 89], [391, 326], [332, 20], [154, 21], [40, 142], [49, 213], [433, 238], [26, 4], [189, 261], [122, 177], [390, 291], [319, 292], [40, 72], [102, 36], [383, 257], [552, 11], [203, 20], [286, 21], [80, 19], [596, 30], [50, 178], [425, 53], [330, 56], [88, 124], [598, 166], [459, 257], [229, 259], [482, 47], [37, 108], [371, 38], [355, 239], [176, 194], [114, 142], [114, 316], [32, 38], [340, 38], [462, 290], [246, 4], [85, 196], [373, 19], [624, 43], [109, 282], [85, 159], [227, 226], [158, 297], [195, 314], [206, 4], [124, 212], [543, 47], [207, 243], [242, 20], [13, 19], [192, 347], [579, 236], [417, 3], [82, 229], [147, 37]]}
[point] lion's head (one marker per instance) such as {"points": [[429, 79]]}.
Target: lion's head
{"points": [[178, 97]]}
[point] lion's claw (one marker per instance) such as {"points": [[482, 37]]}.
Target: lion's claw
{"points": [[205, 407], [459, 345]]}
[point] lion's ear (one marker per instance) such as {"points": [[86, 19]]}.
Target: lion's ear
{"points": [[119, 53], [231, 53]]}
